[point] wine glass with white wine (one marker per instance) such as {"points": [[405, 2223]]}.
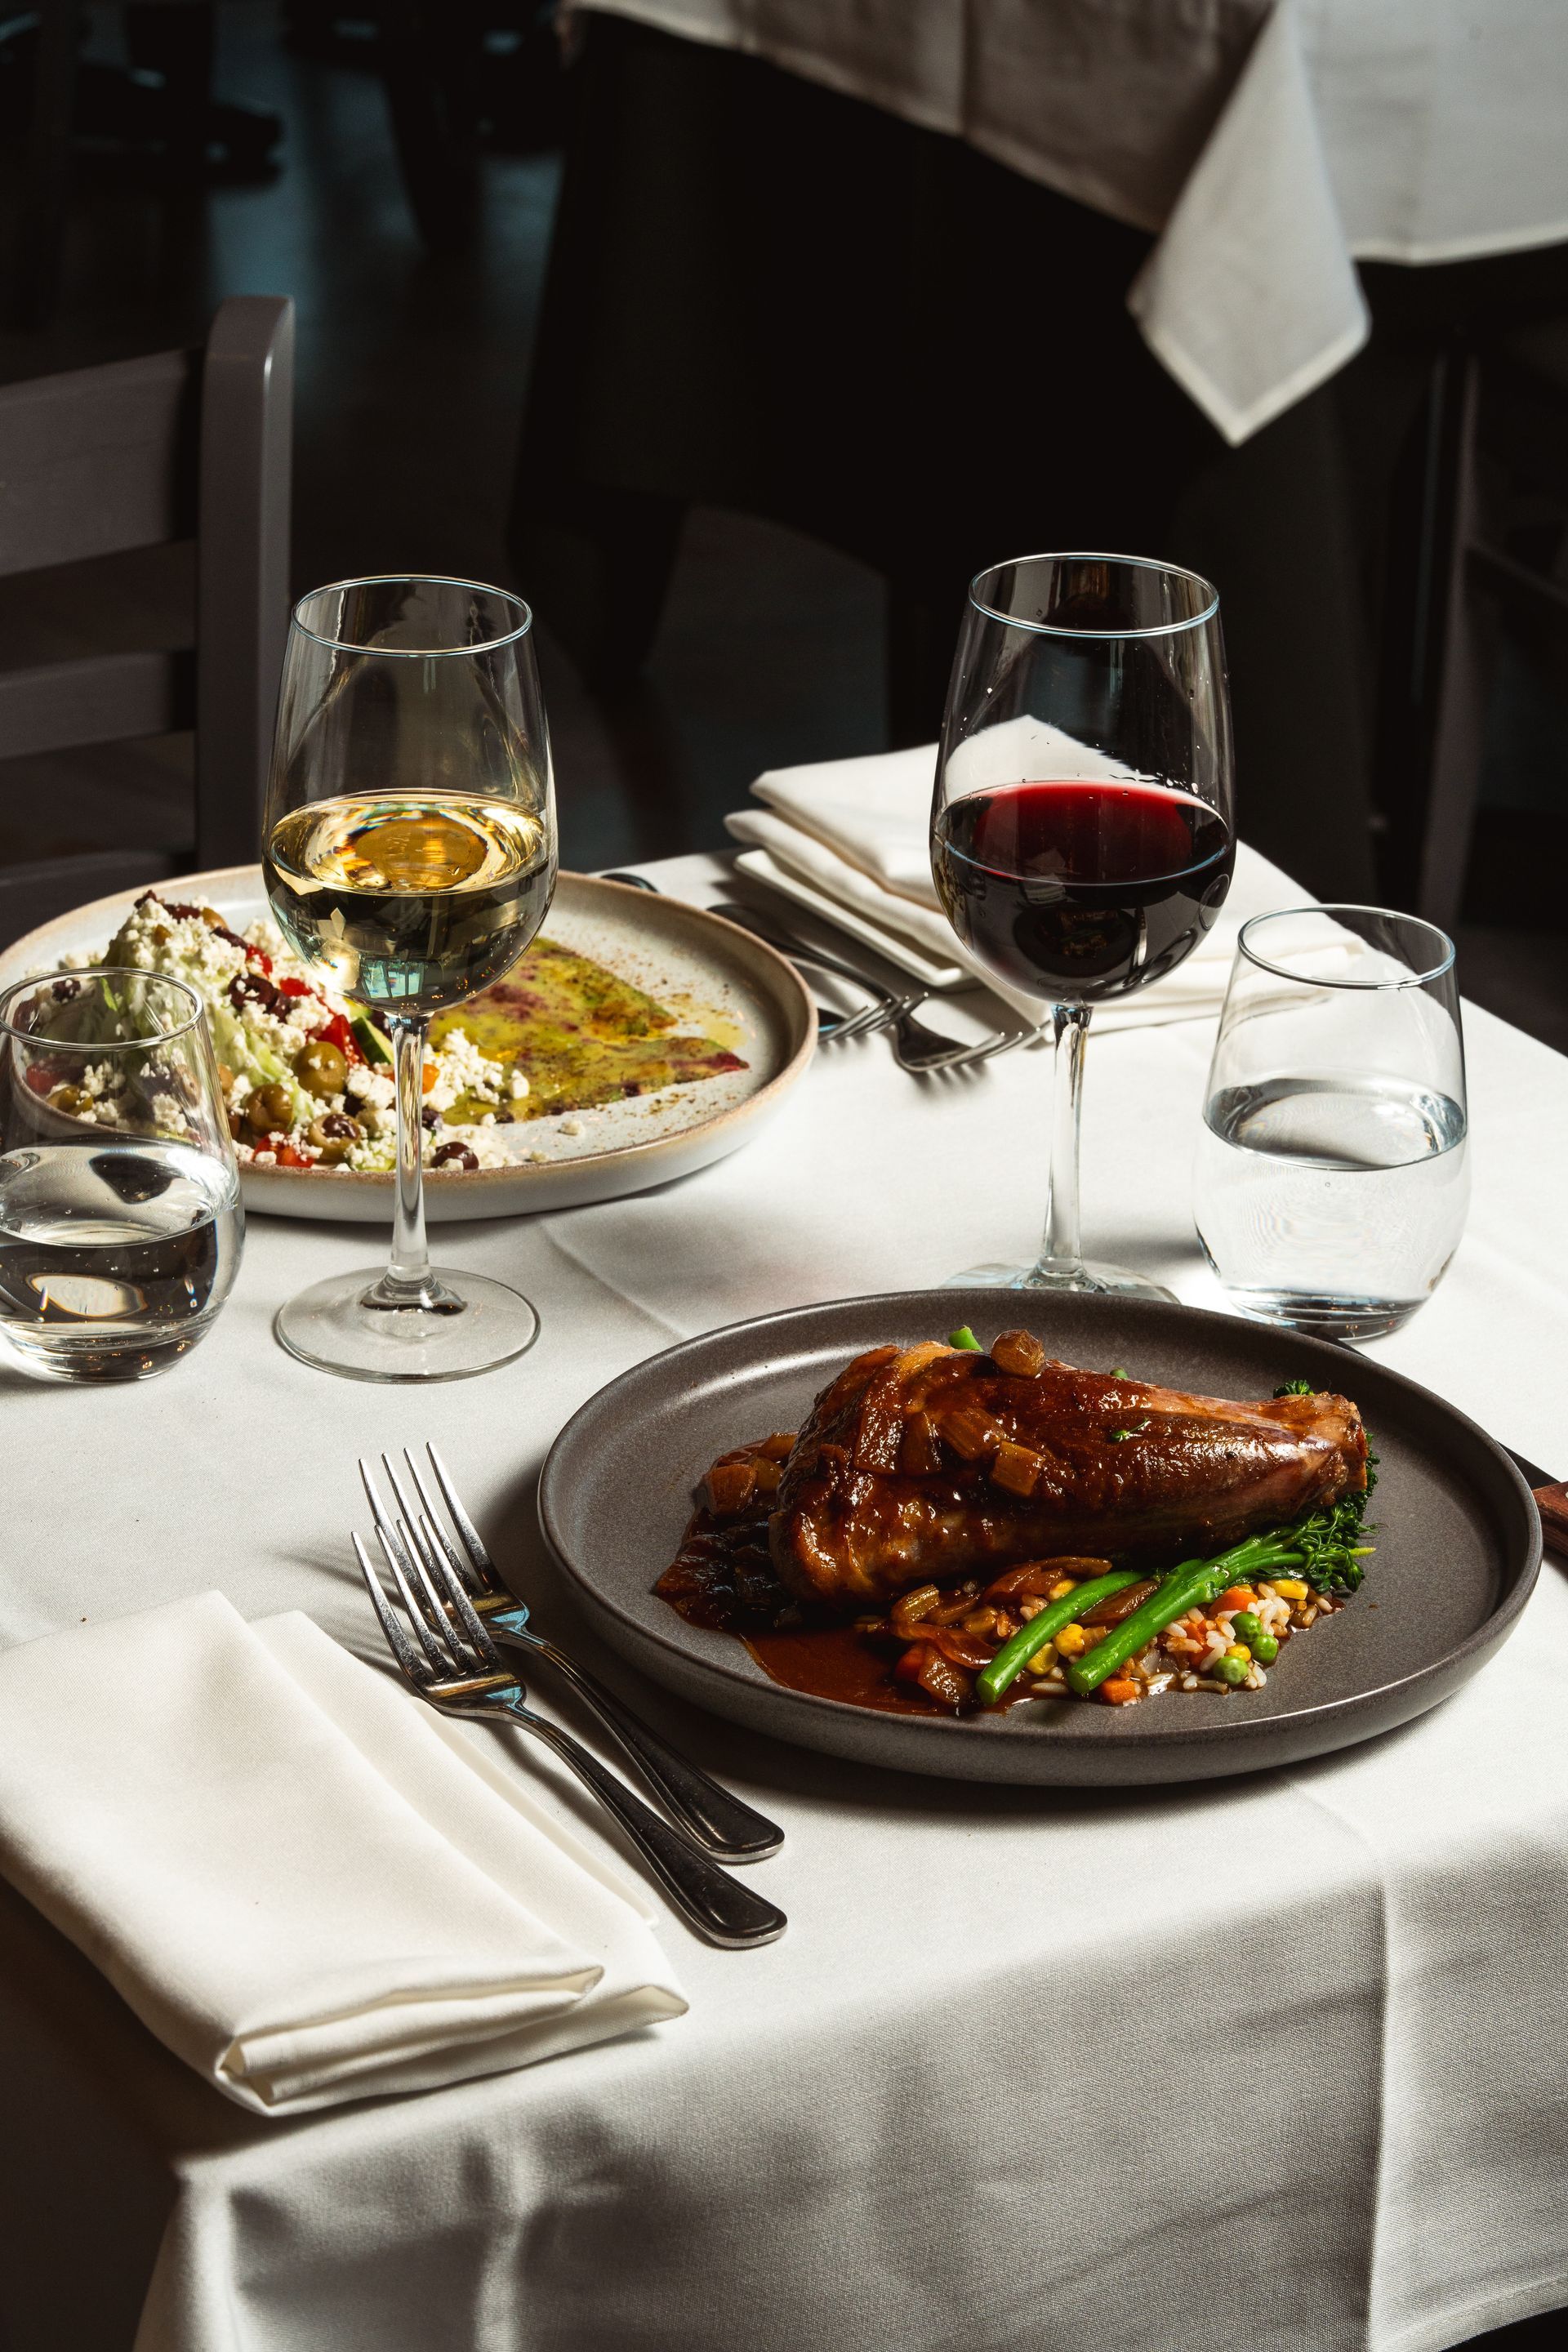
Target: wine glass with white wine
{"points": [[410, 857]]}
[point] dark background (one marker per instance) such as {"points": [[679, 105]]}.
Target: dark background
{"points": [[414, 365]]}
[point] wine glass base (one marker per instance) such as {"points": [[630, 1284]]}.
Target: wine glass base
{"points": [[331, 1328], [1089, 1280]]}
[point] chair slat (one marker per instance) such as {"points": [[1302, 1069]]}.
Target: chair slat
{"points": [[105, 698], [98, 461], [35, 893]]}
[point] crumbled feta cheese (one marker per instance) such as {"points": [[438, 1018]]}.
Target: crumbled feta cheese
{"points": [[517, 1085], [570, 1127], [265, 1159]]}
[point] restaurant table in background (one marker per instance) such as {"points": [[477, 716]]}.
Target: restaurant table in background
{"points": [[809, 300], [1264, 143], [1324, 2006]]}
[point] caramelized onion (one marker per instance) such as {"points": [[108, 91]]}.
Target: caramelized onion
{"points": [[970, 1432], [1016, 1469], [730, 1486], [910, 1607], [1118, 1605], [935, 1674], [919, 1451], [1033, 1579], [1019, 1352]]}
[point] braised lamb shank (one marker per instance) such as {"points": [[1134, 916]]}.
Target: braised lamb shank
{"points": [[934, 1462]]}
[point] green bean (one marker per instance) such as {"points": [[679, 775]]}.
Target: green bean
{"points": [[1020, 1647], [1192, 1585], [965, 1338]]}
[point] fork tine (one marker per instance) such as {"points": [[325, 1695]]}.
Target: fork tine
{"points": [[418, 1538], [471, 1623], [965, 1057], [418, 1543], [430, 1628], [431, 1520], [406, 1516], [472, 1539], [378, 1509], [419, 1614], [397, 1641], [466, 1637]]}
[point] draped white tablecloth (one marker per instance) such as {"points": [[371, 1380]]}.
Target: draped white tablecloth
{"points": [[1266, 141], [1334, 2114]]}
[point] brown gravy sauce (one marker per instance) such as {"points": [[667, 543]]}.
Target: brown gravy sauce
{"points": [[835, 1662], [722, 1578]]}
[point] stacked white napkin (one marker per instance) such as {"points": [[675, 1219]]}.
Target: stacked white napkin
{"points": [[305, 1882], [850, 838]]}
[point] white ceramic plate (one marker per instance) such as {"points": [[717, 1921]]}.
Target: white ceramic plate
{"points": [[727, 983]]}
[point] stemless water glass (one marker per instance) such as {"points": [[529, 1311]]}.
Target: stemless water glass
{"points": [[1332, 1176], [120, 1222], [410, 856], [1081, 836]]}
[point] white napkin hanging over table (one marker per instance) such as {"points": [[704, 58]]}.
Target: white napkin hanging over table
{"points": [[304, 1881], [855, 833]]}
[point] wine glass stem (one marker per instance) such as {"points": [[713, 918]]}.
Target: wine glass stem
{"points": [[1061, 1249], [407, 1281]]}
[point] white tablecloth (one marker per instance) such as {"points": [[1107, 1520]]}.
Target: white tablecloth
{"points": [[1266, 142], [1335, 2116]]}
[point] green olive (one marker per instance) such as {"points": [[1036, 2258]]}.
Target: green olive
{"points": [[336, 1150], [321, 1068], [69, 1098], [270, 1108]]}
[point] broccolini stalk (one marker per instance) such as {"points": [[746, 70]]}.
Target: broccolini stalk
{"points": [[1317, 1548], [1020, 1647]]}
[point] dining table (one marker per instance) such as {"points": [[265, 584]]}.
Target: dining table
{"points": [[1277, 2059], [1267, 144]]}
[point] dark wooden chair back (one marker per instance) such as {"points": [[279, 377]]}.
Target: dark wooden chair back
{"points": [[181, 446]]}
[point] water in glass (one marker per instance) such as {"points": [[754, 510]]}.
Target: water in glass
{"points": [[113, 1262], [120, 1223], [1332, 1176], [1329, 1198]]}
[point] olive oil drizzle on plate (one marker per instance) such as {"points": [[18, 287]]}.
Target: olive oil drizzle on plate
{"points": [[581, 1035]]}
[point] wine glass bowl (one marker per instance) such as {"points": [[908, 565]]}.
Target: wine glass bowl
{"points": [[1081, 827], [410, 857]]}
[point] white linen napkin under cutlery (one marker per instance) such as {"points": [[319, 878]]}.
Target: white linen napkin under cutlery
{"points": [[849, 841], [307, 1884]]}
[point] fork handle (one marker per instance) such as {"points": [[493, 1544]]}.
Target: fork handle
{"points": [[729, 1829], [719, 1907], [787, 943]]}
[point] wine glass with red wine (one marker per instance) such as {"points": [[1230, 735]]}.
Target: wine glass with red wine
{"points": [[1082, 835]]}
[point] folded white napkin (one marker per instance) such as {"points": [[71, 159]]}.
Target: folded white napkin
{"points": [[855, 833], [308, 1885]]}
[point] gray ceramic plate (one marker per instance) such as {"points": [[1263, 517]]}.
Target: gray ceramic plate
{"points": [[1458, 1542], [718, 978]]}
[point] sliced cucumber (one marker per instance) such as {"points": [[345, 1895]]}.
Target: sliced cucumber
{"points": [[371, 1044]]}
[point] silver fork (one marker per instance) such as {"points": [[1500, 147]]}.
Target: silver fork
{"points": [[729, 1829], [916, 1048], [457, 1669]]}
